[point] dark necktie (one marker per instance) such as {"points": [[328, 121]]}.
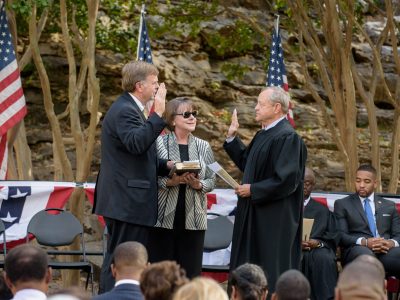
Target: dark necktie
{"points": [[370, 216]]}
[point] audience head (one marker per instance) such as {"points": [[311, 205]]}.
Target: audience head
{"points": [[71, 293], [201, 288], [177, 114], [26, 266], [159, 281], [309, 182], [129, 261], [140, 78], [361, 279], [366, 181], [292, 285], [248, 282]]}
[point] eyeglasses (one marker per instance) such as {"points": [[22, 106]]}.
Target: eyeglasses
{"points": [[187, 114]]}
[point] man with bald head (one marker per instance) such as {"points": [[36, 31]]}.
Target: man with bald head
{"points": [[361, 279], [268, 221], [129, 261], [292, 285], [319, 258]]}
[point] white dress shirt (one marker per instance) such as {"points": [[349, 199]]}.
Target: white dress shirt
{"points": [[29, 294]]}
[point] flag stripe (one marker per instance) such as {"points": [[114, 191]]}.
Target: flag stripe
{"points": [[3, 156], [8, 80], [10, 95], [8, 69], [12, 116]]}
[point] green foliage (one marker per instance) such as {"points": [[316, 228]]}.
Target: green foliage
{"points": [[232, 71], [239, 39]]}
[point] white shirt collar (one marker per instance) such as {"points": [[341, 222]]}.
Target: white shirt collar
{"points": [[27, 294], [127, 281], [273, 124], [370, 197], [306, 201], [140, 104]]}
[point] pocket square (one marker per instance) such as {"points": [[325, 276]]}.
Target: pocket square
{"points": [[385, 215]]}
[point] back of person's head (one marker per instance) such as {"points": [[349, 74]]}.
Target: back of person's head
{"points": [[201, 288], [130, 257], [248, 282], [292, 285], [159, 281], [26, 263], [361, 279]]}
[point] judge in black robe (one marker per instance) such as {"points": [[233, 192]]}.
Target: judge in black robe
{"points": [[319, 258], [268, 222]]}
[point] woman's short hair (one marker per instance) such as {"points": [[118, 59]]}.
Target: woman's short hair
{"points": [[160, 280], [134, 72], [171, 108], [249, 281], [201, 288]]}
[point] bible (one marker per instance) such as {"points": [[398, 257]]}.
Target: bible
{"points": [[186, 166]]}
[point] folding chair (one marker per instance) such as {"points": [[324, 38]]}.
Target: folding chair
{"points": [[55, 227], [218, 236], [3, 232]]}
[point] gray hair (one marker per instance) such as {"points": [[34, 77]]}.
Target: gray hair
{"points": [[279, 95]]}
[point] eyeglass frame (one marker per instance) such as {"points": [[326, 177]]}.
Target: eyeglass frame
{"points": [[187, 114]]}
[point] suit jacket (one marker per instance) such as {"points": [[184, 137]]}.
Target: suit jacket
{"points": [[126, 187], [353, 224], [324, 227], [126, 291]]}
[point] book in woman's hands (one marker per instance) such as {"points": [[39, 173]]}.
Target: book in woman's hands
{"points": [[192, 166]]}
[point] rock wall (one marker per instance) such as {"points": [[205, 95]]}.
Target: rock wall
{"points": [[191, 70]]}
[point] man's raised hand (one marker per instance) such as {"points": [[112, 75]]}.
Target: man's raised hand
{"points": [[159, 100], [234, 125]]}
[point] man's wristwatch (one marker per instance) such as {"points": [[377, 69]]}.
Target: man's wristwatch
{"points": [[320, 245]]}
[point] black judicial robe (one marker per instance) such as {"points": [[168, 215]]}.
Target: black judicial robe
{"points": [[268, 224], [319, 265]]}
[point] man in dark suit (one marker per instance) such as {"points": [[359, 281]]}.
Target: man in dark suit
{"points": [[126, 188], [319, 258], [369, 224], [130, 259]]}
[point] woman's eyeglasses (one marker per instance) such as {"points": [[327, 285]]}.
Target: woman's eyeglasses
{"points": [[187, 114]]}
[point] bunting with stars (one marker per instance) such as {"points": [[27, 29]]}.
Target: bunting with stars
{"points": [[21, 200], [276, 75], [12, 100]]}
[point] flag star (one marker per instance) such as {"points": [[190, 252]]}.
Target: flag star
{"points": [[280, 55], [5, 58], [272, 52], [272, 76], [9, 219]]}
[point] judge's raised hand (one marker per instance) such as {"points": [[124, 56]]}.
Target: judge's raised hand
{"points": [[159, 100], [243, 190], [234, 125]]}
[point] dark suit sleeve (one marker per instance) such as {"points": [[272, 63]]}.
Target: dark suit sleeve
{"points": [[395, 225], [162, 167], [237, 152], [133, 133], [346, 239]]}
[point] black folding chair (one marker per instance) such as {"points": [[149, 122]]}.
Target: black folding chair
{"points": [[55, 227], [218, 236], [3, 233]]}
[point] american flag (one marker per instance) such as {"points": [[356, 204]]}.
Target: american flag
{"points": [[12, 100], [144, 47], [276, 75]]}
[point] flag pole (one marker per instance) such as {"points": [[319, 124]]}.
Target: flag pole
{"points": [[277, 23], [142, 12]]}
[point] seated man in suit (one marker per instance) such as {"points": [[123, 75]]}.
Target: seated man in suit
{"points": [[130, 259], [369, 224], [319, 258]]}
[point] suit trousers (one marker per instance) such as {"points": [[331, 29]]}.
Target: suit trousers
{"points": [[119, 232], [390, 260]]}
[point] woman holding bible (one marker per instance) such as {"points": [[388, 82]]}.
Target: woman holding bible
{"points": [[182, 203]]}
